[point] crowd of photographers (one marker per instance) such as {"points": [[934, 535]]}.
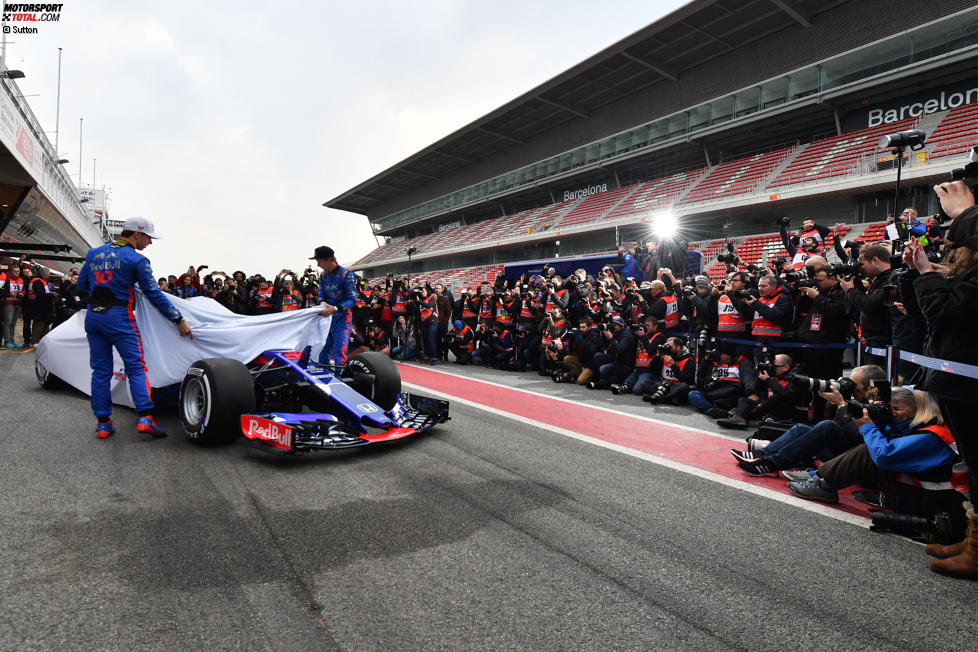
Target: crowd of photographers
{"points": [[765, 345]]}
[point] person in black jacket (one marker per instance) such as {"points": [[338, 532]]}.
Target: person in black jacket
{"points": [[617, 361], [874, 315], [949, 303], [775, 395], [677, 368], [822, 317]]}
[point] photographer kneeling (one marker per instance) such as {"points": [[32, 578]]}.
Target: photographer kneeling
{"points": [[774, 395], [617, 360], [727, 375], [677, 370]]}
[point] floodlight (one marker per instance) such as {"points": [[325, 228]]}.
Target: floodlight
{"points": [[665, 225]]}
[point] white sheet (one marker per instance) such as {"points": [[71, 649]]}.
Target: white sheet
{"points": [[218, 333]]}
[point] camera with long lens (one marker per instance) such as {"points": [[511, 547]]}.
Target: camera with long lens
{"points": [[879, 413], [562, 376], [728, 258], [792, 277], [664, 349], [847, 269], [937, 528], [744, 294], [844, 385]]}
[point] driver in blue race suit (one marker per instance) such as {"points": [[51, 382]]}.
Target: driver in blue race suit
{"points": [[108, 277], [337, 295]]}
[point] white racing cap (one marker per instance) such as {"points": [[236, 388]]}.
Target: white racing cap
{"points": [[140, 225]]}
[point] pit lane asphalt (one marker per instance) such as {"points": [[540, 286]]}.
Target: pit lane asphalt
{"points": [[484, 534]]}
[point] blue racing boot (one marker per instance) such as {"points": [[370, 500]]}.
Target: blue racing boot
{"points": [[147, 426], [104, 429]]}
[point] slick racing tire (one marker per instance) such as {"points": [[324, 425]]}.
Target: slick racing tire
{"points": [[375, 376], [214, 394], [45, 378]]}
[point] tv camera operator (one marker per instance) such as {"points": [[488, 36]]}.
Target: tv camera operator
{"points": [[774, 395], [726, 375], [870, 300], [677, 368]]}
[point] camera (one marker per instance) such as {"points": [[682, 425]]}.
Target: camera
{"points": [[844, 385], [744, 294], [658, 392], [664, 349], [938, 528], [728, 258], [891, 295], [765, 368], [847, 269], [792, 277], [783, 221]]}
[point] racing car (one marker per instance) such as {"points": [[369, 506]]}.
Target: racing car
{"points": [[357, 404]]}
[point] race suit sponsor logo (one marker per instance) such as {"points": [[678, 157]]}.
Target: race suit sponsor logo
{"points": [[278, 435]]}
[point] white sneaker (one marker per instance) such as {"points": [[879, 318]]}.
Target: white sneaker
{"points": [[754, 445]]}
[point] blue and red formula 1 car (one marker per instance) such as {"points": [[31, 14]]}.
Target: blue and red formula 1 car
{"points": [[358, 404]]}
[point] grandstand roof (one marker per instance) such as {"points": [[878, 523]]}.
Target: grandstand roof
{"points": [[690, 36]]}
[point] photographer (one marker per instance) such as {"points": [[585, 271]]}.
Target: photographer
{"points": [[822, 317], [428, 315], [444, 300], [468, 307], [663, 303], [732, 316], [677, 370], [261, 298], [806, 243], [905, 227], [580, 345], [773, 310], [907, 452], [616, 362], [874, 316], [502, 347], [774, 395], [463, 343], [727, 375], [507, 310], [404, 339], [949, 303], [643, 380], [552, 328], [846, 250], [239, 294], [70, 300], [832, 436]]}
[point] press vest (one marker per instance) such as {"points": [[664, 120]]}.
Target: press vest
{"points": [[729, 319], [941, 478], [264, 297], [672, 310], [762, 326], [16, 288], [669, 375]]}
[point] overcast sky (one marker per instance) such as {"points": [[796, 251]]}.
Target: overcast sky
{"points": [[229, 123]]}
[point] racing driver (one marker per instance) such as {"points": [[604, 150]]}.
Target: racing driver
{"points": [[109, 276], [337, 295]]}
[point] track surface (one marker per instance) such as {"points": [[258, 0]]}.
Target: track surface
{"points": [[488, 533]]}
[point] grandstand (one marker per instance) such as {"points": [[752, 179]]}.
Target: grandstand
{"points": [[713, 114]]}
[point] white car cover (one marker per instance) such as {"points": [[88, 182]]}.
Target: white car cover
{"points": [[218, 333]]}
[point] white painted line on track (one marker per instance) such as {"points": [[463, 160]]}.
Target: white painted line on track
{"points": [[824, 510], [622, 413]]}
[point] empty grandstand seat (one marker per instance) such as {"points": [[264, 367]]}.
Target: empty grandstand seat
{"points": [[956, 132], [736, 177], [656, 194], [836, 156]]}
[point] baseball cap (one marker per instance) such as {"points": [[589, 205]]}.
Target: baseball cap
{"points": [[702, 280], [618, 320], [140, 225], [458, 324], [322, 253]]}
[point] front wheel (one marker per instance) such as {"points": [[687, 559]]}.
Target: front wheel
{"points": [[214, 394], [374, 375], [45, 378]]}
